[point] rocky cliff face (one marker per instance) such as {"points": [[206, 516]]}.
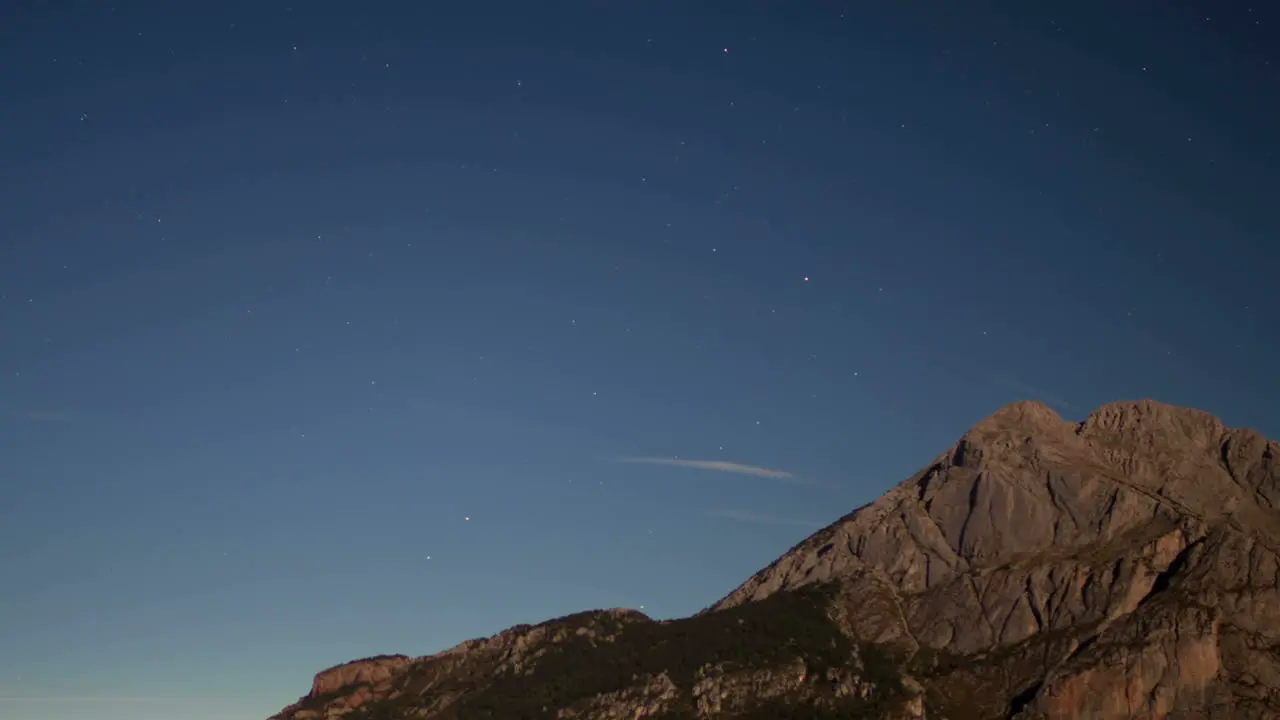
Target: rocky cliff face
{"points": [[1127, 566]]}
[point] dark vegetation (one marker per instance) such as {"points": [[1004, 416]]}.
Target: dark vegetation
{"points": [[382, 710], [843, 709], [318, 702], [764, 635], [756, 635]]}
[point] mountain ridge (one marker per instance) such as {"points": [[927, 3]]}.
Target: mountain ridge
{"points": [[1123, 566]]}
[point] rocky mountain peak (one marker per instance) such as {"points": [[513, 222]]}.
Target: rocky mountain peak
{"points": [[1025, 483], [1027, 415], [1150, 422]]}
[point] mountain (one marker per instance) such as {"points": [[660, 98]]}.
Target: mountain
{"points": [[1127, 566]]}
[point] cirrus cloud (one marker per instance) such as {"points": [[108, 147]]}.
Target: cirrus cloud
{"points": [[716, 465]]}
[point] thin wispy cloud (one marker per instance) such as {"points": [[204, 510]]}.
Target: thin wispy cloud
{"points": [[716, 465], [748, 516]]}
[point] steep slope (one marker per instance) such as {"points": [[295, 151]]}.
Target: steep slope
{"points": [[1121, 567], [1129, 559]]}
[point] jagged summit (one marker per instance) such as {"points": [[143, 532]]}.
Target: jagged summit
{"points": [[1127, 565], [1024, 482], [1026, 413], [1145, 420]]}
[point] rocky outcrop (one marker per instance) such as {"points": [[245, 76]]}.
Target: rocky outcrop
{"points": [[370, 671], [1125, 566], [349, 686]]}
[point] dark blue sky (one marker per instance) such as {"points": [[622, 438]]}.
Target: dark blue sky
{"points": [[289, 294]]}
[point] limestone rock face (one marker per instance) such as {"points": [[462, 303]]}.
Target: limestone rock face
{"points": [[1126, 566], [370, 672], [1146, 536]]}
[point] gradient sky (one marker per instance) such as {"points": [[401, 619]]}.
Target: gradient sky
{"points": [[335, 329]]}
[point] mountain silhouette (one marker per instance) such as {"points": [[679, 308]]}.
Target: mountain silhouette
{"points": [[1125, 566]]}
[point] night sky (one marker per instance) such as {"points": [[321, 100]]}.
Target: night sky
{"points": [[335, 330]]}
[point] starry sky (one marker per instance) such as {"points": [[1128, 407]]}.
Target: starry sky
{"points": [[330, 330]]}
